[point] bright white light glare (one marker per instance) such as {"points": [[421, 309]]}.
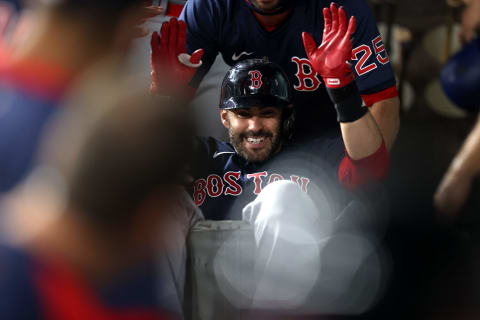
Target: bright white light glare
{"points": [[289, 234], [295, 253], [352, 276]]}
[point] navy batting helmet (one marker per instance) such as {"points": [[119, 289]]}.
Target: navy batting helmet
{"points": [[460, 77], [255, 83]]}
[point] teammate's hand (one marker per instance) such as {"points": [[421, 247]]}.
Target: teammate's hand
{"points": [[172, 67], [331, 58], [452, 193]]}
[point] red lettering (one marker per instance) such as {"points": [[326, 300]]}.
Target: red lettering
{"points": [[367, 52], [307, 77], [256, 79], [199, 193], [303, 182], [214, 186], [275, 177], [379, 48], [233, 187], [257, 180]]}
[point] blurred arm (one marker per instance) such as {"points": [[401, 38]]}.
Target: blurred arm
{"points": [[455, 186], [467, 161], [470, 20]]}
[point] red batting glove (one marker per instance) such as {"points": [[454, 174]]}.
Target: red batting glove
{"points": [[330, 59], [172, 67]]}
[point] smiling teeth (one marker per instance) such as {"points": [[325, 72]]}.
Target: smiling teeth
{"points": [[255, 141]]}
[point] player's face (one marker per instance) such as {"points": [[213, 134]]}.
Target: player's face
{"points": [[254, 132], [266, 5]]}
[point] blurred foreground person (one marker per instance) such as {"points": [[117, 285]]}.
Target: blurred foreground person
{"points": [[64, 38], [109, 177]]}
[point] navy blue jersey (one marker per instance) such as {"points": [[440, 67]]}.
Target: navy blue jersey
{"points": [[36, 287], [229, 27], [27, 102], [224, 182]]}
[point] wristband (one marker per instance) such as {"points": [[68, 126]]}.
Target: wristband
{"points": [[336, 83], [348, 103]]}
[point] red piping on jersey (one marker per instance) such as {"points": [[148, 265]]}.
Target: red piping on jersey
{"points": [[174, 10], [388, 93], [45, 80], [354, 173]]}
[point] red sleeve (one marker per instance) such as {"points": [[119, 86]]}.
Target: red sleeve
{"points": [[388, 93], [354, 173]]}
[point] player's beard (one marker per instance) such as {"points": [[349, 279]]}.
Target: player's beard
{"points": [[273, 144]]}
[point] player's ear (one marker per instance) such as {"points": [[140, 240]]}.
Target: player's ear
{"points": [[224, 118]]}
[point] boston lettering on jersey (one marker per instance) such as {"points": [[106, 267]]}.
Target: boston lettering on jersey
{"points": [[214, 185], [224, 182], [230, 28]]}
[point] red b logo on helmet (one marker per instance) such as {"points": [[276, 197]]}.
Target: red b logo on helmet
{"points": [[256, 79]]}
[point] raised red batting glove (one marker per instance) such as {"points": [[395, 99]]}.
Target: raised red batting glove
{"points": [[331, 58], [172, 67]]}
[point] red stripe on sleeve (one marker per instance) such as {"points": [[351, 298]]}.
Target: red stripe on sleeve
{"points": [[44, 79], [388, 93], [354, 173]]}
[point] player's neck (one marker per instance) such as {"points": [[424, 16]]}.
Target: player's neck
{"points": [[270, 23]]}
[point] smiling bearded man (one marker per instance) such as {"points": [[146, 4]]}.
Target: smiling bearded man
{"points": [[256, 142]]}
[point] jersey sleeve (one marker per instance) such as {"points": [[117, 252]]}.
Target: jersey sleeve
{"points": [[353, 174], [203, 18], [370, 61]]}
